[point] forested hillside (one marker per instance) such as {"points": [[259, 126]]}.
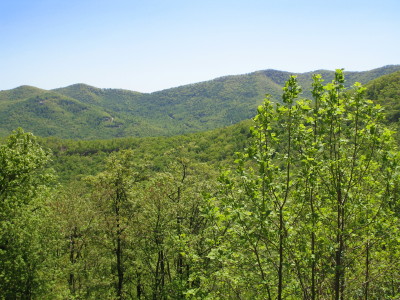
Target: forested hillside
{"points": [[299, 203], [385, 90], [84, 112], [74, 159]]}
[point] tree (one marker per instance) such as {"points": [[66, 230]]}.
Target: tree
{"points": [[23, 189], [305, 198], [172, 243], [113, 193], [74, 238]]}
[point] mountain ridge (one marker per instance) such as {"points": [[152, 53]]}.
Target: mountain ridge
{"points": [[86, 112], [391, 68]]}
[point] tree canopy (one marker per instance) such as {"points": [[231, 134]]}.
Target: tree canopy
{"points": [[307, 208]]}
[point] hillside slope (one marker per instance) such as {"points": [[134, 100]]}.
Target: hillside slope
{"points": [[86, 112], [385, 90]]}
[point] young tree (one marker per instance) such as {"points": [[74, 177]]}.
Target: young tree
{"points": [[354, 150], [172, 230], [113, 194], [75, 241], [23, 189], [306, 201]]}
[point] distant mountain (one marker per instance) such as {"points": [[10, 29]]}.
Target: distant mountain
{"points": [[81, 111], [50, 114]]}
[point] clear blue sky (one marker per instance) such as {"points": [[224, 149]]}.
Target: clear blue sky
{"points": [[149, 45]]}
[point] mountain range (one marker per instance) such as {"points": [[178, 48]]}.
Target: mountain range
{"points": [[81, 111]]}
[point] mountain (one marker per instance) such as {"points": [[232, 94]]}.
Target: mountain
{"points": [[20, 93], [81, 111], [47, 113]]}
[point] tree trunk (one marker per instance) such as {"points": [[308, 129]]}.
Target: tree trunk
{"points": [[120, 271], [280, 268]]}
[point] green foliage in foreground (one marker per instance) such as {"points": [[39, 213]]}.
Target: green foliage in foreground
{"points": [[23, 192], [311, 210], [314, 205]]}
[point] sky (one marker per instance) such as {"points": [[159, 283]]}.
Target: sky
{"points": [[151, 45]]}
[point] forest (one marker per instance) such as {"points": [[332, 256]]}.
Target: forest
{"points": [[300, 202], [85, 112]]}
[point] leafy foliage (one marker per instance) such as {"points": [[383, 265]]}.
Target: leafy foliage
{"points": [[310, 197], [310, 210], [22, 195]]}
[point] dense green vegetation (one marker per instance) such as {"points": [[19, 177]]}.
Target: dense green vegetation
{"points": [[79, 158], [314, 203], [83, 112], [307, 208], [385, 91], [74, 159]]}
